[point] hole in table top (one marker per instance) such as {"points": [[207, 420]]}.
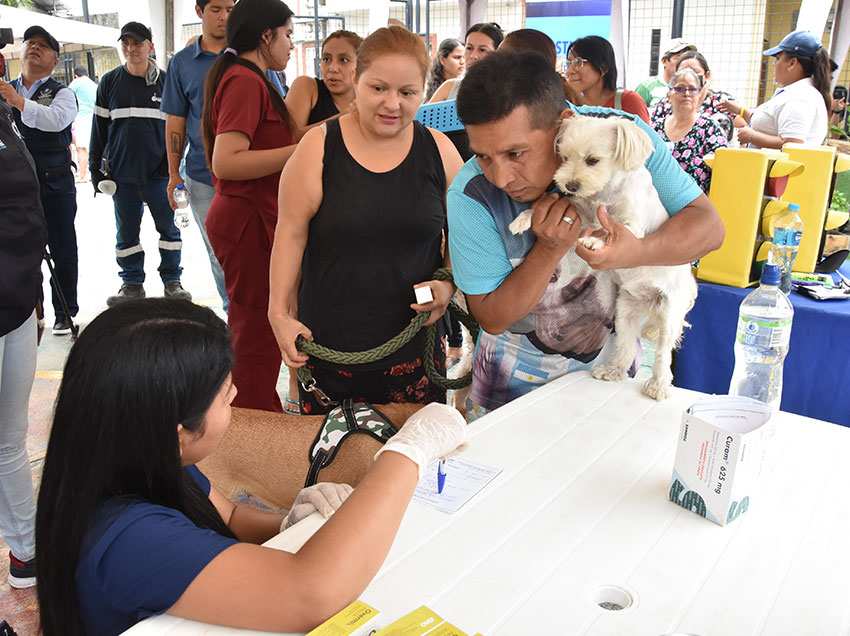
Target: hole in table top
{"points": [[613, 598]]}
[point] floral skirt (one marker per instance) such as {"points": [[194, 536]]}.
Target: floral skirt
{"points": [[401, 382]]}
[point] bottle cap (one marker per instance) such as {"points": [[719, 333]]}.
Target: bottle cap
{"points": [[770, 274]]}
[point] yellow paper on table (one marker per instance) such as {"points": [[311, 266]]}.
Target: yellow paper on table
{"points": [[421, 622], [354, 620]]}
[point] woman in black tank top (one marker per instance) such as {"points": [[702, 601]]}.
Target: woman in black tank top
{"points": [[311, 101], [325, 108], [362, 221]]}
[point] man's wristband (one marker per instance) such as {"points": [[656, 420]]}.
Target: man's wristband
{"points": [[743, 112]]}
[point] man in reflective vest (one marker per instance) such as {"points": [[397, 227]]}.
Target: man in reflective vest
{"points": [[128, 147]]}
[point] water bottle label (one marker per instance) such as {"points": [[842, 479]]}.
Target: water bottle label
{"points": [[768, 334], [787, 237]]}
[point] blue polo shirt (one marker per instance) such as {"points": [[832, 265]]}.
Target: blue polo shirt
{"points": [[137, 558], [184, 97]]}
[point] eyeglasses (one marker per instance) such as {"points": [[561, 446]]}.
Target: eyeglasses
{"points": [[576, 62], [685, 90]]}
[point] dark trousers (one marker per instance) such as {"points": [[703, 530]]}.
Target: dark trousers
{"points": [[59, 200], [129, 202]]}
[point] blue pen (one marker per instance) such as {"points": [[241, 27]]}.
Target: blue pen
{"points": [[441, 476]]}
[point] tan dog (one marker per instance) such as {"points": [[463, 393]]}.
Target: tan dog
{"points": [[265, 454]]}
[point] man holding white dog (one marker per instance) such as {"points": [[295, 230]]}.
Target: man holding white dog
{"points": [[545, 308]]}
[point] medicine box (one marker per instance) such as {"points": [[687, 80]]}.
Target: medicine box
{"points": [[719, 457]]}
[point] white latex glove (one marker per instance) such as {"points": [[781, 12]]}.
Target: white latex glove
{"points": [[434, 432], [324, 498]]}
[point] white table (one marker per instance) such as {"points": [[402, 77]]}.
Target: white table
{"points": [[582, 504]]}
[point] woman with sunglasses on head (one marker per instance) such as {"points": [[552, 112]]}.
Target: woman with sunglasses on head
{"points": [[481, 40], [690, 134], [798, 111], [139, 530], [313, 100], [592, 74]]}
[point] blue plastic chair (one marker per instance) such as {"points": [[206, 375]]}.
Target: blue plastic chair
{"points": [[440, 116]]}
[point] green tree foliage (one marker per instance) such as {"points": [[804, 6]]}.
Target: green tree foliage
{"points": [[52, 7]]}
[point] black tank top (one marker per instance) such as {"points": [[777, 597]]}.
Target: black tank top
{"points": [[324, 107], [374, 236]]}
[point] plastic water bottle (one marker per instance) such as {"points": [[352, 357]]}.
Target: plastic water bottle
{"points": [[761, 342], [787, 234], [108, 187], [181, 214]]}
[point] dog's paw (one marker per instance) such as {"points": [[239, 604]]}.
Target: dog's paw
{"points": [[656, 389], [592, 242], [608, 373], [521, 224]]}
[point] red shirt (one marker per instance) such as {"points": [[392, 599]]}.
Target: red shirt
{"points": [[632, 103], [242, 103]]}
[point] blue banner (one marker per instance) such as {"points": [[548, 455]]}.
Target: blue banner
{"points": [[568, 20]]}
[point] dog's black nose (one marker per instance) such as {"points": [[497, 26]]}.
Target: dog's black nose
{"points": [[572, 186]]}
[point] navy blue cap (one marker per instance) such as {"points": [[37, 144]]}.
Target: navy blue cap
{"points": [[797, 43], [770, 274]]}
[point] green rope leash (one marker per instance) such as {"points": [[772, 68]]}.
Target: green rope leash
{"points": [[428, 354], [363, 357], [391, 346]]}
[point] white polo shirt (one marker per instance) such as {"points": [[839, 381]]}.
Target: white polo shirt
{"points": [[796, 111]]}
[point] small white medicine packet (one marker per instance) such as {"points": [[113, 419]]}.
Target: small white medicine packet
{"points": [[423, 295]]}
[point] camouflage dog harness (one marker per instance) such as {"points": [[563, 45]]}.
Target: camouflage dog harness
{"points": [[347, 419]]}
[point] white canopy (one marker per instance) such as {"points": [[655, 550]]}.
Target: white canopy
{"points": [[65, 31]]}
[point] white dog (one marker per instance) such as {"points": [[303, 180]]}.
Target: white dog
{"points": [[603, 165]]}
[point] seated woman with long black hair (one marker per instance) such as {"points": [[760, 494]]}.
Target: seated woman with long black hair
{"points": [[127, 526]]}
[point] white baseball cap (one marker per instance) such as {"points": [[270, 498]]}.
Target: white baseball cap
{"points": [[677, 45]]}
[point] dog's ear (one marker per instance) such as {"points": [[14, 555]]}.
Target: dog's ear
{"points": [[566, 122], [632, 146]]}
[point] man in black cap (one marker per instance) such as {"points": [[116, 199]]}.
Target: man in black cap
{"points": [[128, 147], [44, 110]]}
